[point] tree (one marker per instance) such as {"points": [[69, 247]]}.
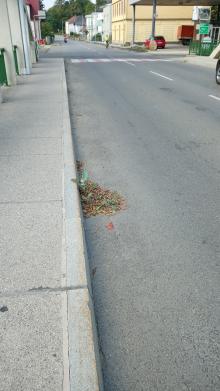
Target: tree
{"points": [[63, 10], [61, 3], [46, 29], [215, 13], [82, 7], [100, 4], [41, 4]]}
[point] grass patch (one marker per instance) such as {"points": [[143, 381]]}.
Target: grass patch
{"points": [[138, 49], [95, 199]]}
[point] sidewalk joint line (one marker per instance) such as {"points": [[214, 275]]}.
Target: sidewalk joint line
{"points": [[29, 202], [42, 290], [31, 154], [29, 138]]}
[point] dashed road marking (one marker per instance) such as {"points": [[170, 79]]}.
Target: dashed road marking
{"points": [[158, 74], [130, 63], [214, 97]]}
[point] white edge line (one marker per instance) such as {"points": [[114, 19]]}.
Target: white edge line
{"points": [[214, 97], [158, 74]]}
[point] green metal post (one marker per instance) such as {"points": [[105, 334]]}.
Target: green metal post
{"points": [[3, 74], [16, 59]]}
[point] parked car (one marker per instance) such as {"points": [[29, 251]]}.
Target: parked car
{"points": [[218, 72], [160, 40], [216, 56]]}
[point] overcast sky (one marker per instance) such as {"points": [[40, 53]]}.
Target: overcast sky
{"points": [[48, 3]]}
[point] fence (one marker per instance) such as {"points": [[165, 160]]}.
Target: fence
{"points": [[3, 74], [202, 48]]}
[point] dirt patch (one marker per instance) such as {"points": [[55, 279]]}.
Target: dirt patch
{"points": [[138, 49], [95, 199]]}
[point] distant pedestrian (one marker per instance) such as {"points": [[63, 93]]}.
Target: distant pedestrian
{"points": [[107, 41]]}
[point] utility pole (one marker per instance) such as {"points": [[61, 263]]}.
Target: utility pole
{"points": [[133, 24], [154, 14]]}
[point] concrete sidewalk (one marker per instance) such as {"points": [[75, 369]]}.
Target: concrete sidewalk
{"points": [[47, 328], [202, 61]]}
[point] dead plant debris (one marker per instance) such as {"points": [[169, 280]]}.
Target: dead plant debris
{"points": [[95, 199]]}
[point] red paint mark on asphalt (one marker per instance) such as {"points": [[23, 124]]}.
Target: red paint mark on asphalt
{"points": [[110, 226]]}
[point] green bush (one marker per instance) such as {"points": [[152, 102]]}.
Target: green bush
{"points": [[74, 35], [97, 37], [46, 29]]}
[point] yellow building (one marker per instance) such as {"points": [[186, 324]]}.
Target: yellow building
{"points": [[167, 22]]}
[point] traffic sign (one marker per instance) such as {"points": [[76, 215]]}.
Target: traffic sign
{"points": [[204, 29]]}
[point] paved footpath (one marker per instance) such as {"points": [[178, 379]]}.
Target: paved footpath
{"points": [[46, 319]]}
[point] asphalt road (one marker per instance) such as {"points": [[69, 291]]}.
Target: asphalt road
{"points": [[151, 131]]}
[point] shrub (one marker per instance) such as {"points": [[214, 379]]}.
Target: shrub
{"points": [[97, 37]]}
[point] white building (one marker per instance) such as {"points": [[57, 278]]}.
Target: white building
{"points": [[107, 21], [76, 24], [94, 25]]}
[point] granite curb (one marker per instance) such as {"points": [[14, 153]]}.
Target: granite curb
{"points": [[83, 353]]}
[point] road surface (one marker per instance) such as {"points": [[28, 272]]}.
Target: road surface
{"points": [[148, 126]]}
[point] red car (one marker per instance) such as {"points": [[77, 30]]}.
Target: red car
{"points": [[161, 43]]}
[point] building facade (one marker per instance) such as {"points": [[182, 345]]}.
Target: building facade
{"points": [[167, 22], [94, 25], [76, 24], [17, 46], [33, 7], [107, 21]]}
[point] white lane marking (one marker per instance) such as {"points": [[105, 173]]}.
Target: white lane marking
{"points": [[158, 74], [125, 59], [214, 97], [76, 61], [130, 63], [105, 60]]}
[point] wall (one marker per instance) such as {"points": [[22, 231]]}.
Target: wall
{"points": [[107, 20], [168, 20], [14, 30], [16, 36], [6, 42], [94, 24]]}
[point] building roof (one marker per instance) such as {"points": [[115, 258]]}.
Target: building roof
{"points": [[78, 20], [34, 6]]}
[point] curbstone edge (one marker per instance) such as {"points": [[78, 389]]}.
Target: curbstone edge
{"points": [[83, 353]]}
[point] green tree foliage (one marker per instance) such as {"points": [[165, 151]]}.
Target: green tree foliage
{"points": [[81, 7], [100, 4], [57, 15], [41, 5], [215, 13], [63, 10], [46, 29]]}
